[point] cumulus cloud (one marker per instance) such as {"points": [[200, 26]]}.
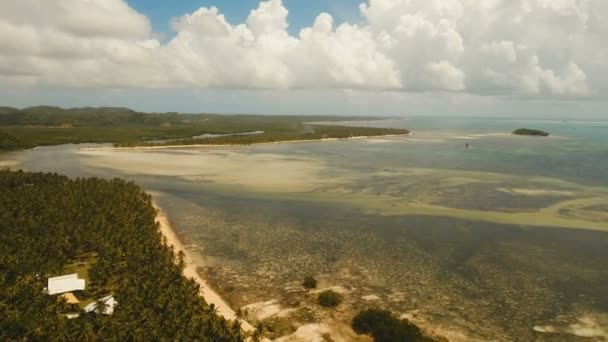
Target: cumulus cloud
{"points": [[528, 48]]}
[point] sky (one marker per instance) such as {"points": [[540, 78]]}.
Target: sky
{"points": [[517, 58], [302, 13]]}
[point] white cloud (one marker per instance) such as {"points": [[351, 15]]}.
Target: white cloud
{"points": [[529, 48]]}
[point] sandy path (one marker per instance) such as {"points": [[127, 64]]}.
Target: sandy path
{"points": [[210, 296]]}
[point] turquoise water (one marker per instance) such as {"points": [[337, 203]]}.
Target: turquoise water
{"points": [[501, 240]]}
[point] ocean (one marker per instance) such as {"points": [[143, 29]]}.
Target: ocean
{"points": [[467, 230]]}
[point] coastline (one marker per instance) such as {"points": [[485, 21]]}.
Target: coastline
{"points": [[163, 147], [210, 296]]}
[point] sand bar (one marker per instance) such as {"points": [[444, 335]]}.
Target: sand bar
{"points": [[163, 147]]}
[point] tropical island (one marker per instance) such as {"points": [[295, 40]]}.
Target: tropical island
{"points": [[73, 249], [100, 233], [123, 127], [530, 132], [71, 259]]}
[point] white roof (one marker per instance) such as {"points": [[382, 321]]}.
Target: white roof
{"points": [[66, 283], [109, 301]]}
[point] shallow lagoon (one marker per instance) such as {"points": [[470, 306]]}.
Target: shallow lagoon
{"points": [[506, 240]]}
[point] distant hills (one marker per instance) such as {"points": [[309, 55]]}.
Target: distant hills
{"points": [[86, 116]]}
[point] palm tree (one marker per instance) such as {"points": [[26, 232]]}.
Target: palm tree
{"points": [[213, 309], [240, 314], [219, 328], [101, 306], [259, 333]]}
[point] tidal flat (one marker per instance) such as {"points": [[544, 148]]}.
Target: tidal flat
{"points": [[506, 240]]}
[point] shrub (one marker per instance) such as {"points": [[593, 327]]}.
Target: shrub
{"points": [[329, 299], [310, 282], [384, 327], [527, 131]]}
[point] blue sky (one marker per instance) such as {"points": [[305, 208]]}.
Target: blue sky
{"points": [[302, 13], [402, 57]]}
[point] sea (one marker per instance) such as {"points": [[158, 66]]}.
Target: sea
{"points": [[464, 229]]}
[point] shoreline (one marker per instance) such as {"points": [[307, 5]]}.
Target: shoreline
{"points": [[130, 148], [210, 296]]}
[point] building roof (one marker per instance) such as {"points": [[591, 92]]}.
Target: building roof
{"points": [[72, 315], [109, 302], [66, 283], [70, 298]]}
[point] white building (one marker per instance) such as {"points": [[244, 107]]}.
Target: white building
{"points": [[63, 284], [108, 302]]}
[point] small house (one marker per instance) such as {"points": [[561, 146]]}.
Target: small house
{"points": [[104, 306], [66, 283]]}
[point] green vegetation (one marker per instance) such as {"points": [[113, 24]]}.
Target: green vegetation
{"points": [[41, 126], [384, 327], [533, 132], [309, 132], [310, 282], [329, 299], [9, 142], [105, 231]]}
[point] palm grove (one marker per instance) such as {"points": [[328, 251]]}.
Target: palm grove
{"points": [[48, 222]]}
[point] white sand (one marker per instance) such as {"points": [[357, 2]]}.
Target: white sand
{"points": [[587, 326], [8, 163], [337, 289], [263, 310], [210, 296], [536, 192], [308, 333], [163, 147], [465, 137], [370, 298]]}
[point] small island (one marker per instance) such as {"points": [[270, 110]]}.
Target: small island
{"points": [[530, 132]]}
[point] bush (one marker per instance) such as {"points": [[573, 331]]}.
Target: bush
{"points": [[384, 327], [310, 282], [527, 131], [329, 299]]}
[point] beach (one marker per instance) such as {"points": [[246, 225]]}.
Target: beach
{"points": [[211, 297]]}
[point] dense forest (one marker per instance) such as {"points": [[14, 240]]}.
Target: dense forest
{"points": [[9, 142], [40, 126], [106, 232]]}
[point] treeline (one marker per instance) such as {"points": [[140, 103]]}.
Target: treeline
{"points": [[10, 142], [48, 221], [81, 117], [113, 116], [45, 125], [314, 132]]}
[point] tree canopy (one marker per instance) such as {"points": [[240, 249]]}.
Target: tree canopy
{"points": [[384, 327], [49, 222], [528, 131]]}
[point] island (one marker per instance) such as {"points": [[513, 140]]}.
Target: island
{"points": [[45, 126], [85, 260], [530, 132]]}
